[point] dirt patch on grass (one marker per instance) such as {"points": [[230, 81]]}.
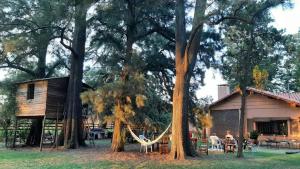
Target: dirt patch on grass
{"points": [[102, 152]]}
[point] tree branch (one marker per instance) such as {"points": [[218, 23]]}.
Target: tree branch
{"points": [[65, 45], [144, 34], [53, 67], [13, 66]]}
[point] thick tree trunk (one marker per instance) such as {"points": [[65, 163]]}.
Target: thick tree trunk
{"points": [[6, 136], [117, 140], [185, 62], [73, 128], [179, 120], [34, 136], [180, 89], [241, 123], [42, 41]]}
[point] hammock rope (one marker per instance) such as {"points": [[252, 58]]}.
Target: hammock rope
{"points": [[147, 143]]}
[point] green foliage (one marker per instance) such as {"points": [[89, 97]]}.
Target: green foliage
{"points": [[250, 45], [260, 77], [135, 102], [8, 106], [199, 113], [27, 29], [118, 99], [254, 134], [287, 79]]}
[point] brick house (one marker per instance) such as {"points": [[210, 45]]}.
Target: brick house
{"points": [[268, 113]]}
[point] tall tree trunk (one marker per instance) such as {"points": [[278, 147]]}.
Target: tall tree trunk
{"points": [[241, 123], [117, 140], [73, 129], [186, 54], [179, 116], [6, 135], [34, 136]]}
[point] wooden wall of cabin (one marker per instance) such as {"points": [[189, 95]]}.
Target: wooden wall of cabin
{"points": [[56, 98], [32, 107]]}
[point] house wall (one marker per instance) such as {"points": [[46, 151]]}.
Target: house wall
{"points": [[56, 97], [224, 120], [34, 107], [263, 108]]}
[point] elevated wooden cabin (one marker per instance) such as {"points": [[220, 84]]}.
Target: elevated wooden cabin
{"points": [[42, 97]]}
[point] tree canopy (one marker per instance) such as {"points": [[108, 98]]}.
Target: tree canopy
{"points": [[145, 59]]}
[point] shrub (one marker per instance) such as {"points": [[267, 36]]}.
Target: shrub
{"points": [[254, 134]]}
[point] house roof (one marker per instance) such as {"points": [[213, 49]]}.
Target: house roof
{"points": [[41, 79], [293, 98], [84, 85]]}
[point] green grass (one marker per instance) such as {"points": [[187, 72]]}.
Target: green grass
{"points": [[72, 159]]}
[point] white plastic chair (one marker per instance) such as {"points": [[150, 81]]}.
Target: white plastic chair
{"points": [[142, 137], [215, 143]]}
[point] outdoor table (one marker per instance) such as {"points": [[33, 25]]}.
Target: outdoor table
{"points": [[285, 142]]}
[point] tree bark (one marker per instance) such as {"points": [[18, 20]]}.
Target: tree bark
{"points": [[34, 136], [185, 60], [42, 42], [117, 140], [241, 123], [6, 135], [73, 129], [178, 120]]}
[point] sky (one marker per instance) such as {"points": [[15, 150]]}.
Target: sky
{"points": [[287, 19]]}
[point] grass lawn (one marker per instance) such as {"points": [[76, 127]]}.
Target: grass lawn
{"points": [[101, 157]]}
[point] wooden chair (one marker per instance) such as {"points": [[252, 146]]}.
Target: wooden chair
{"points": [[203, 145], [229, 146]]}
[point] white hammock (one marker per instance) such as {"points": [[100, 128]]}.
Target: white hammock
{"points": [[147, 143]]}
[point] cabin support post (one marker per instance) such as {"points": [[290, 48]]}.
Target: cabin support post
{"points": [[15, 133], [42, 135], [288, 127], [56, 132]]}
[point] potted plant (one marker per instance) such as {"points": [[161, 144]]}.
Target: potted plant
{"points": [[254, 135]]}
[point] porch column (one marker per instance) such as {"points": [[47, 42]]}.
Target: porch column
{"points": [[254, 125], [245, 125], [289, 127]]}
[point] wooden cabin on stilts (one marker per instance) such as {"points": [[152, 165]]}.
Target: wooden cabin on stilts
{"points": [[43, 99]]}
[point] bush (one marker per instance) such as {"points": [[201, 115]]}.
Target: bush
{"points": [[254, 134]]}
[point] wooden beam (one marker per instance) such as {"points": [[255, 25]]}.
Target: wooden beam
{"points": [[56, 134], [42, 135]]}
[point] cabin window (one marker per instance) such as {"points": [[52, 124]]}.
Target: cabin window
{"points": [[30, 92], [277, 127]]}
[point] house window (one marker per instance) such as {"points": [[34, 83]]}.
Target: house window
{"points": [[30, 92], [277, 127]]}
